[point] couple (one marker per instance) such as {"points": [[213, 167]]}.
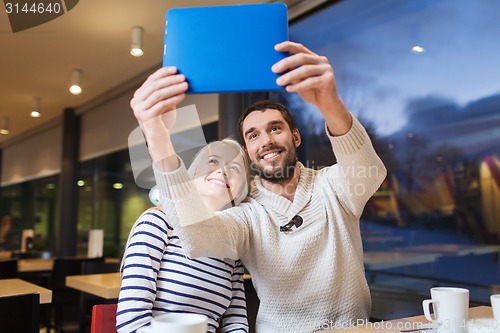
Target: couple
{"points": [[308, 276]]}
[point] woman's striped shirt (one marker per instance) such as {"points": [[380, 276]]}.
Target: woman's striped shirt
{"points": [[158, 278]]}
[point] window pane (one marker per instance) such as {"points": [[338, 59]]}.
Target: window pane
{"points": [[109, 198], [32, 205], [422, 76]]}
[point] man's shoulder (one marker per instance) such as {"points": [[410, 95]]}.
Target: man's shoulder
{"points": [[316, 174], [323, 177], [326, 169]]}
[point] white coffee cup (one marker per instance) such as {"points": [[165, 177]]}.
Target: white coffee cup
{"points": [[495, 305], [451, 308], [177, 323]]}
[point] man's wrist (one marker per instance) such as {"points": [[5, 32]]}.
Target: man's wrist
{"points": [[157, 137], [338, 119]]}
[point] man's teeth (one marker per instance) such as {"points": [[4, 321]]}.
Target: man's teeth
{"points": [[271, 155]]}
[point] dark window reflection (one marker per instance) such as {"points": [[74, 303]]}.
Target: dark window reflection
{"points": [[422, 76], [109, 198], [32, 206]]}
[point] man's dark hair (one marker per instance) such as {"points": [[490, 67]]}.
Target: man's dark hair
{"points": [[261, 106]]}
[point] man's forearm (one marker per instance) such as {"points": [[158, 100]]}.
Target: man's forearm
{"points": [[202, 232], [359, 170], [160, 146], [338, 119]]}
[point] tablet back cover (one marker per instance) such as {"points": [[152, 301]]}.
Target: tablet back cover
{"points": [[226, 48]]}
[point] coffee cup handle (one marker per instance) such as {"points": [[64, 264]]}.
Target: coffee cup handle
{"points": [[426, 305]]}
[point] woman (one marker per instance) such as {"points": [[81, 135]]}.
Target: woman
{"points": [[157, 277]]}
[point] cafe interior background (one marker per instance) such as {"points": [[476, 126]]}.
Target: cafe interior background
{"points": [[422, 76]]}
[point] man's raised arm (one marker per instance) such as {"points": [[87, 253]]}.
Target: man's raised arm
{"points": [[154, 105], [202, 232]]}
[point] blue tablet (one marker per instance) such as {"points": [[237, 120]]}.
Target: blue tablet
{"points": [[226, 48]]}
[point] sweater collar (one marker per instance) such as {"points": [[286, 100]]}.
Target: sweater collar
{"points": [[281, 205]]}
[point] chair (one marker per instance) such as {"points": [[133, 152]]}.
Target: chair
{"points": [[87, 301], [252, 301], [20, 314], [64, 299], [8, 269], [103, 318]]}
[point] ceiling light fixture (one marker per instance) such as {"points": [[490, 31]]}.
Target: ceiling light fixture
{"points": [[76, 77], [136, 46], [35, 111], [5, 128], [417, 49]]}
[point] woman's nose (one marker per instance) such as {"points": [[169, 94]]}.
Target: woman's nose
{"points": [[223, 171]]}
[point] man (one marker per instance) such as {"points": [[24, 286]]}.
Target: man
{"points": [[298, 232]]}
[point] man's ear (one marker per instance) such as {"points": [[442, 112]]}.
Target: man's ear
{"points": [[296, 137]]}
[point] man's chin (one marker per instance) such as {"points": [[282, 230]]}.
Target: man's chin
{"points": [[270, 171], [275, 174]]}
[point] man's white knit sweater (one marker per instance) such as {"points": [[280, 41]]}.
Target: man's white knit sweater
{"points": [[308, 279]]}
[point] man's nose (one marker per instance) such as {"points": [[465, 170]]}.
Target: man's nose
{"points": [[267, 139]]}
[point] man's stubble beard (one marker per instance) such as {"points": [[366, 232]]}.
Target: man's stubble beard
{"points": [[278, 174]]}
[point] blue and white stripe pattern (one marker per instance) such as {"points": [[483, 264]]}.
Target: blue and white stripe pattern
{"points": [[158, 278]]}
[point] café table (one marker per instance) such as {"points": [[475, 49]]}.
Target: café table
{"points": [[14, 287], [35, 265], [42, 265], [409, 323], [106, 285], [5, 254]]}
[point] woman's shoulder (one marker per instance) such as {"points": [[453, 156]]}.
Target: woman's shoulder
{"points": [[155, 210], [155, 216]]}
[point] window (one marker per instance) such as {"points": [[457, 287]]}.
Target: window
{"points": [[109, 198], [33, 205], [422, 76]]}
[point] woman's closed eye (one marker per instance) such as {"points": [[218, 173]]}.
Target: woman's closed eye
{"points": [[233, 167], [213, 161]]}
